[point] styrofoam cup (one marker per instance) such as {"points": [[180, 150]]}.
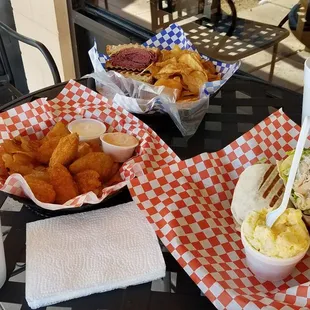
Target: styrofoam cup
{"points": [[269, 268]]}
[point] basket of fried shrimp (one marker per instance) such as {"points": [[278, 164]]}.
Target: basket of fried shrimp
{"points": [[45, 165]]}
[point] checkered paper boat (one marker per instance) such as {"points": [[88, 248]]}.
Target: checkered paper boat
{"points": [[187, 116], [34, 119], [188, 205]]}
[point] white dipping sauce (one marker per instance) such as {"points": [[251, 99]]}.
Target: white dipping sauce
{"points": [[87, 128]]}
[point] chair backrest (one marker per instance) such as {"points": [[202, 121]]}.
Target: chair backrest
{"points": [[303, 17], [6, 75], [41, 47], [166, 12], [2, 72]]}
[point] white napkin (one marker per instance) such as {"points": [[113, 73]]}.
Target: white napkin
{"points": [[77, 255]]}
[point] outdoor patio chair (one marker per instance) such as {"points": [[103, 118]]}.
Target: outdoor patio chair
{"points": [[227, 38], [8, 91], [299, 21]]}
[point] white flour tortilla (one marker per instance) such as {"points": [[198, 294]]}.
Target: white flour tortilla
{"points": [[248, 192]]}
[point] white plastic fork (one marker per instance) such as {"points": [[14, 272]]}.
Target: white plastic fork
{"points": [[274, 215]]}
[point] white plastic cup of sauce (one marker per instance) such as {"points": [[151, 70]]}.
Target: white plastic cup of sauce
{"points": [[269, 268], [87, 128], [120, 146]]}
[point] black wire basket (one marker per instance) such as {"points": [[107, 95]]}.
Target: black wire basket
{"points": [[121, 196], [116, 198]]}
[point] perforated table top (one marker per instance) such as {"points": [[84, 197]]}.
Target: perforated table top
{"points": [[242, 103], [249, 37]]}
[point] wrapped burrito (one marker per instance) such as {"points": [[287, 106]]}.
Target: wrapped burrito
{"points": [[262, 186], [300, 196], [259, 186]]}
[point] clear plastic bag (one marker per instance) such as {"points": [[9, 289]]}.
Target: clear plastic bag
{"points": [[142, 98]]}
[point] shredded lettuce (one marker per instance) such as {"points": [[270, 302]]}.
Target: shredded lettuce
{"points": [[294, 196], [300, 193], [305, 152], [261, 161], [291, 152], [284, 167]]}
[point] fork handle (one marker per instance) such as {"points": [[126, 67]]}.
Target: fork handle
{"points": [[296, 159]]}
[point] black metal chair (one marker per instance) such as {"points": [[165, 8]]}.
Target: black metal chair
{"points": [[299, 21], [220, 36], [8, 91]]}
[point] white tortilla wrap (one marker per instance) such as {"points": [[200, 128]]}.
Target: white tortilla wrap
{"points": [[259, 186]]}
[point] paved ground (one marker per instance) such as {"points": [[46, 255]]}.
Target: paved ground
{"points": [[291, 53], [240, 4]]}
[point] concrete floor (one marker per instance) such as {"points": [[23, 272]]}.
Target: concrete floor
{"points": [[240, 5], [291, 52]]}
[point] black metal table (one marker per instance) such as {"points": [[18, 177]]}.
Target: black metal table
{"points": [[242, 102]]}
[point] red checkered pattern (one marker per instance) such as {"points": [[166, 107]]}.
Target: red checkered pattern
{"points": [[32, 119], [188, 205], [77, 101]]}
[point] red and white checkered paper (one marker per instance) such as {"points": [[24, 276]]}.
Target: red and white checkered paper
{"points": [[35, 119], [188, 205]]}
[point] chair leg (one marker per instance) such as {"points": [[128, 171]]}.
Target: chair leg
{"points": [[283, 21], [273, 61]]}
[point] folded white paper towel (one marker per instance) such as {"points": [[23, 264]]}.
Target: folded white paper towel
{"points": [[77, 255]]}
